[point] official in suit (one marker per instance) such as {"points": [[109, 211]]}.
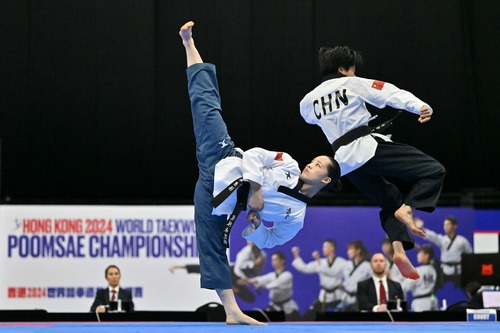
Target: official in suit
{"points": [[373, 293], [113, 292]]}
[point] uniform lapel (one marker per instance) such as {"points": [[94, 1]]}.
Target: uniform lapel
{"points": [[106, 295]]}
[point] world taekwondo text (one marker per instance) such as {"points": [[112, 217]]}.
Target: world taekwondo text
{"points": [[102, 238]]}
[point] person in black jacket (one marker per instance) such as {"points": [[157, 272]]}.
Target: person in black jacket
{"points": [[374, 293], [113, 292]]}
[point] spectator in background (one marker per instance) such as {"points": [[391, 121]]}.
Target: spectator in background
{"points": [[423, 289], [280, 286], [330, 270], [112, 293], [250, 261], [374, 293], [392, 270], [452, 247], [356, 270]]}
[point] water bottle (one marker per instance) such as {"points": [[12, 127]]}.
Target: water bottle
{"points": [[434, 303]]}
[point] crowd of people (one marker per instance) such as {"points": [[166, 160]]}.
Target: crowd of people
{"points": [[351, 283]]}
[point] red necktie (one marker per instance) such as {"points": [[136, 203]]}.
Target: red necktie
{"points": [[113, 296], [383, 296]]}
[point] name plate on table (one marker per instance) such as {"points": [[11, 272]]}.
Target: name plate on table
{"points": [[481, 315]]}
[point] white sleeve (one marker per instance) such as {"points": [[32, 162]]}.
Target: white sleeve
{"points": [[263, 280], [381, 94], [268, 237], [256, 160], [283, 279], [434, 237], [301, 266], [467, 246], [243, 260]]}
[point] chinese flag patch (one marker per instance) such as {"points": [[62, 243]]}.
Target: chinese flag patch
{"points": [[279, 157], [378, 84]]}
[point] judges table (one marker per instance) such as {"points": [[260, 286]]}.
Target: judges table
{"points": [[216, 315]]}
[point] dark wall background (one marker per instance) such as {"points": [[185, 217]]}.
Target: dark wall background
{"points": [[94, 107]]}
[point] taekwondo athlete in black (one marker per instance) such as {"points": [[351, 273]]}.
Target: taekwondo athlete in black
{"points": [[337, 105]]}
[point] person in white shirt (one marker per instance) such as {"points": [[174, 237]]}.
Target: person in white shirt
{"points": [[269, 183], [423, 298], [330, 270], [452, 246], [374, 293], [280, 286], [338, 106]]}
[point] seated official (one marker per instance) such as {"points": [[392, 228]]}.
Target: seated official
{"points": [[374, 293], [112, 293]]}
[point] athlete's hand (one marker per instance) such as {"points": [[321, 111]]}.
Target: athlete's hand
{"points": [[255, 202], [316, 255], [419, 222], [295, 251], [254, 218], [425, 114]]}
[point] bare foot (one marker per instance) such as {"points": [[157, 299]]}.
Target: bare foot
{"points": [[186, 32], [234, 316], [405, 266], [405, 215], [242, 319]]}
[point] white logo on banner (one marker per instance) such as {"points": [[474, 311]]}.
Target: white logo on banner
{"points": [[54, 257]]}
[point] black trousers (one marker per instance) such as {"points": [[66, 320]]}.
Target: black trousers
{"points": [[400, 161]]}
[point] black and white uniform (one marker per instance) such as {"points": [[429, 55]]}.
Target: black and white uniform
{"points": [[422, 290], [451, 251], [271, 170], [338, 106], [280, 288], [352, 275], [244, 264], [330, 276]]}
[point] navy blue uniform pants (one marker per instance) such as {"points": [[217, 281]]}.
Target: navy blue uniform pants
{"points": [[213, 143]]}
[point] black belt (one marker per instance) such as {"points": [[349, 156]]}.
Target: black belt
{"points": [[241, 204], [243, 188], [280, 304], [360, 132], [451, 263], [422, 296], [330, 290], [350, 137]]}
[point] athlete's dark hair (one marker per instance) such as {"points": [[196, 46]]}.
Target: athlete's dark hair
{"points": [[364, 251], [427, 249], [109, 267], [330, 59], [280, 255], [452, 219], [334, 173], [332, 242]]}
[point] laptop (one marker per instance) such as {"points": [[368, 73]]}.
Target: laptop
{"points": [[491, 299]]}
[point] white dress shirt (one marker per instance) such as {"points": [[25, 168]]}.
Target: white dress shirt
{"points": [[110, 290], [376, 281]]}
